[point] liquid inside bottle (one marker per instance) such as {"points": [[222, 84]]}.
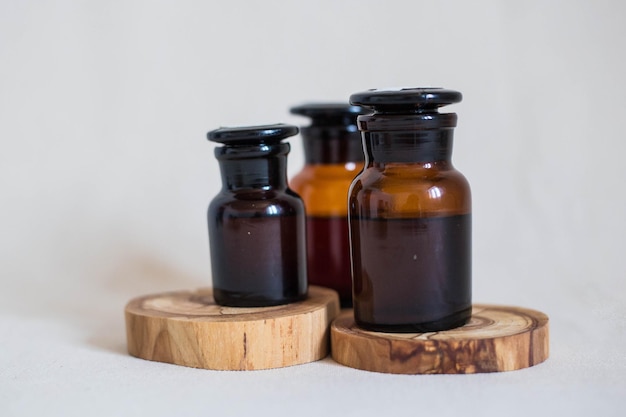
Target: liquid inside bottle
{"points": [[390, 291]]}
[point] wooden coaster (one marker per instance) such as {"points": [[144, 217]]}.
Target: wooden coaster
{"points": [[497, 338], [188, 328]]}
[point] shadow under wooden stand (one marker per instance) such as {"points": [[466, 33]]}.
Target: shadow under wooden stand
{"points": [[188, 328]]}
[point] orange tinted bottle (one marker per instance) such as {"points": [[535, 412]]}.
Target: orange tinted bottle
{"points": [[333, 156], [410, 215]]}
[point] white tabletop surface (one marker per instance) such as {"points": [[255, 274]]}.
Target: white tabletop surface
{"points": [[105, 176]]}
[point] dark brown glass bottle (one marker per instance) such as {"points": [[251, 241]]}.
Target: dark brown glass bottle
{"points": [[410, 216], [256, 222], [333, 156]]}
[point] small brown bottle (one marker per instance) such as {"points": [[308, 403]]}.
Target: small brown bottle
{"points": [[333, 156], [410, 216], [256, 222]]}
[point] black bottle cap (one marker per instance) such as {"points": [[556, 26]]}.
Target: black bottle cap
{"points": [[406, 100], [248, 135], [329, 114]]}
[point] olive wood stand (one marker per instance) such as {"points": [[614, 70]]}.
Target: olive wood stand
{"points": [[497, 338], [188, 328]]}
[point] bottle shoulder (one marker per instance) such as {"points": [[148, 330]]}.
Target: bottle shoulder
{"points": [[324, 174], [256, 203], [419, 192], [324, 187]]}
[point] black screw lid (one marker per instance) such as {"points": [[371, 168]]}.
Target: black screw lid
{"points": [[329, 114], [406, 100], [249, 135]]}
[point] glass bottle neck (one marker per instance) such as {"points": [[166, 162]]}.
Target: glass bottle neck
{"points": [[331, 145], [258, 167], [419, 146]]}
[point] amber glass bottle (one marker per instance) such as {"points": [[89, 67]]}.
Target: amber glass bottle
{"points": [[256, 222], [410, 216], [333, 156]]}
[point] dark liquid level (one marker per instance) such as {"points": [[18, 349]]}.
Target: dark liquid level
{"points": [[328, 251], [412, 275], [255, 260]]}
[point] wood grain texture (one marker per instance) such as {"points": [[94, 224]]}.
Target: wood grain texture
{"points": [[497, 338], [188, 328]]}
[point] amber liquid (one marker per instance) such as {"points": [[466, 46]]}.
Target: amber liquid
{"points": [[255, 260], [328, 246], [412, 275]]}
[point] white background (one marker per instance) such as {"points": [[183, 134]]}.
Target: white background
{"points": [[105, 176]]}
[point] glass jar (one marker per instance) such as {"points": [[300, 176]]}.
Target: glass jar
{"points": [[410, 215], [256, 222], [333, 156]]}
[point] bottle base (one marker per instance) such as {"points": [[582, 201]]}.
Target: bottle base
{"points": [[450, 322], [237, 299]]}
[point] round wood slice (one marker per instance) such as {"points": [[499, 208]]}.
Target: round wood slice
{"points": [[497, 338], [188, 328]]}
